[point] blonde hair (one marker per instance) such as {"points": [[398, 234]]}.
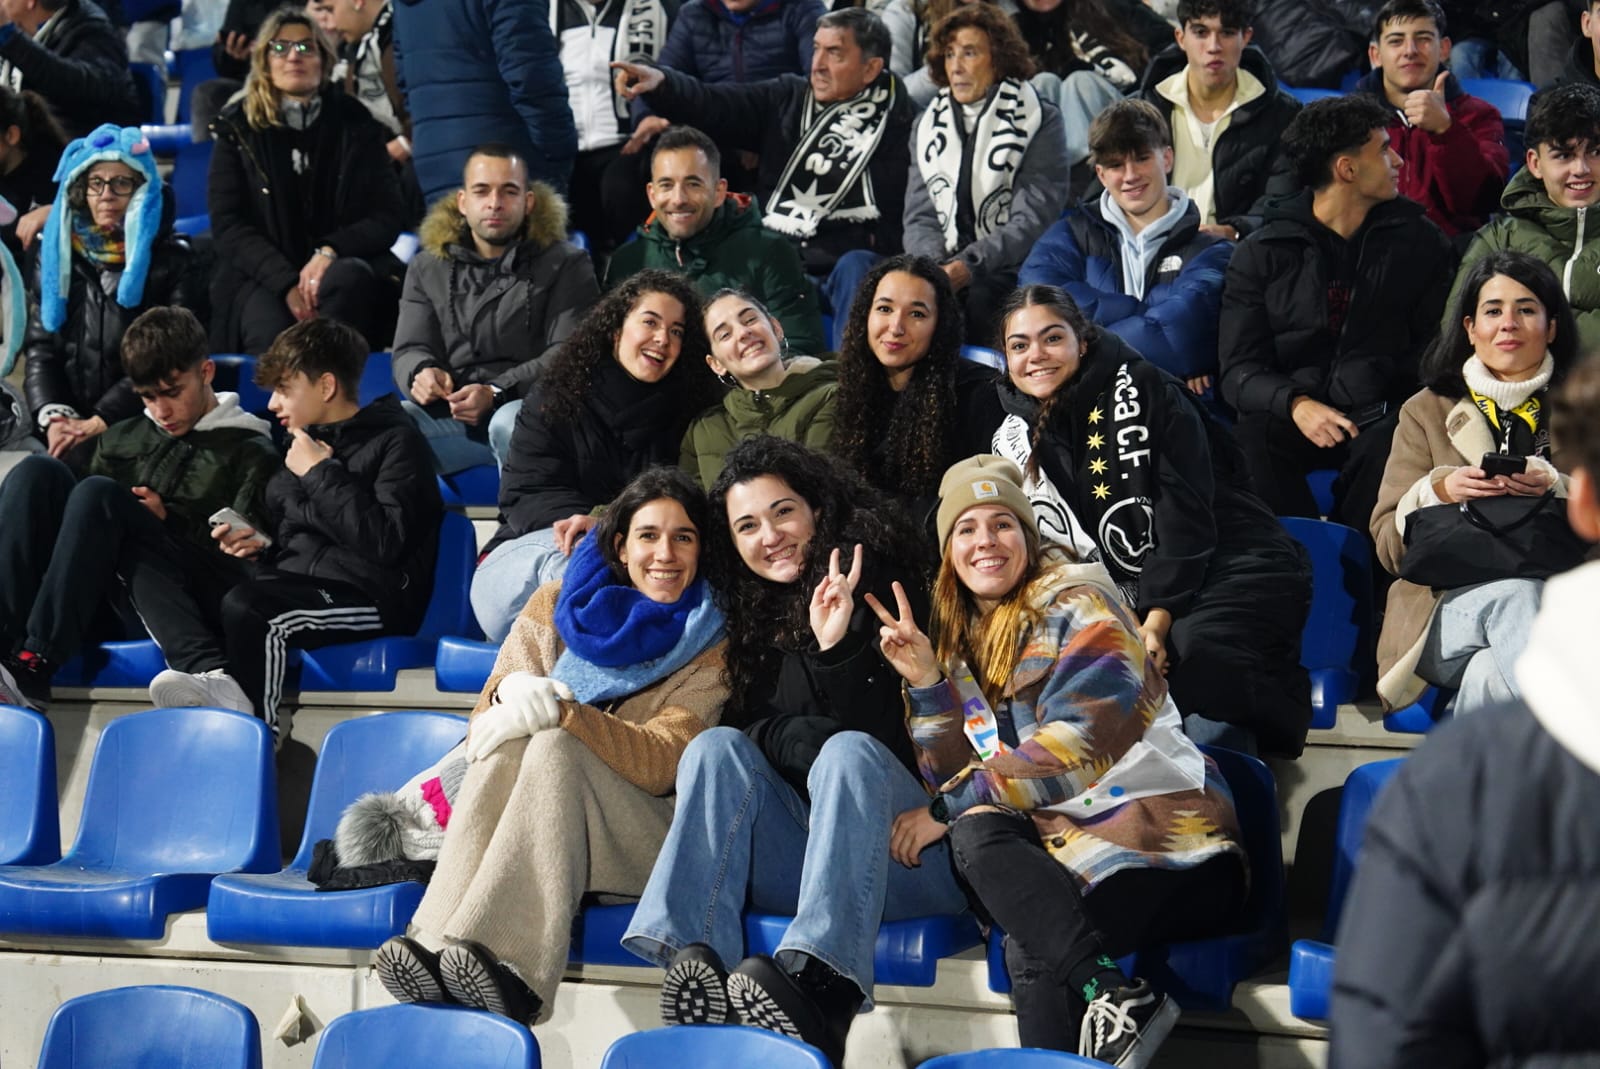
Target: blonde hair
{"points": [[262, 100]]}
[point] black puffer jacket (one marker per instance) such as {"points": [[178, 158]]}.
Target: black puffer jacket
{"points": [[80, 365], [266, 219], [368, 516], [1274, 342], [563, 467], [1248, 159], [81, 68]]}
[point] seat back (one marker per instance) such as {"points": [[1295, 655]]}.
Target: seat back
{"points": [[1510, 98], [1255, 801], [425, 1036], [707, 1045], [1361, 789], [1012, 1058], [181, 791], [449, 610], [237, 372], [30, 828], [1307, 95], [989, 358], [151, 86], [371, 753], [139, 1027], [377, 378], [193, 67], [1338, 628]]}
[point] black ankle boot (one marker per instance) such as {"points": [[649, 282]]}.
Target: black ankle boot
{"points": [[814, 1004]]}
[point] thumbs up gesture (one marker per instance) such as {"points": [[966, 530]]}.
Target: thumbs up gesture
{"points": [[1425, 108]]}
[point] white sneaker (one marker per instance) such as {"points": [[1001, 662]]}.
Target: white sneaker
{"points": [[215, 689]]}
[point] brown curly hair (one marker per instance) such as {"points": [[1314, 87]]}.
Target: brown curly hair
{"points": [[1008, 52], [915, 421]]}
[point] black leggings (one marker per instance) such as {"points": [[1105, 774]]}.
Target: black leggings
{"points": [[1051, 926]]}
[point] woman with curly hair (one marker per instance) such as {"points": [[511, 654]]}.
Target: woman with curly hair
{"points": [[786, 807], [908, 405], [615, 401]]}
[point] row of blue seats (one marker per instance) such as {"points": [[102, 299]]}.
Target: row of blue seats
{"points": [[1510, 98], [134, 1027], [147, 849]]}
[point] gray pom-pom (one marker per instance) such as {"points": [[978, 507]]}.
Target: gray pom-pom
{"points": [[373, 829]]}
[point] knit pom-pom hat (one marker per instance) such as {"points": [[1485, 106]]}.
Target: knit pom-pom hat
{"points": [[105, 144], [405, 824]]}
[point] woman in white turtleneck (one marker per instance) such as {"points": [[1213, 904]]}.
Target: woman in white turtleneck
{"points": [[1509, 339]]}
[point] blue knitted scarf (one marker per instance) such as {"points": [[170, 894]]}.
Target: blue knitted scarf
{"points": [[617, 640]]}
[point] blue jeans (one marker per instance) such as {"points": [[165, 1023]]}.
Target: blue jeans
{"points": [[839, 288], [457, 446], [1476, 636], [1080, 96], [1477, 57], [509, 575], [742, 837]]}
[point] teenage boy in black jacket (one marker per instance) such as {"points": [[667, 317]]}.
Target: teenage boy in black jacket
{"points": [[354, 519]]}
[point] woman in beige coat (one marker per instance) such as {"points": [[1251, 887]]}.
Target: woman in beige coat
{"points": [[573, 752], [1510, 338]]}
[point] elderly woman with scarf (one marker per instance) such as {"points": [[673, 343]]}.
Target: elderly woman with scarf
{"points": [[573, 752], [107, 254]]}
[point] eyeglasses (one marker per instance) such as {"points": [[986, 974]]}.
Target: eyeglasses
{"points": [[280, 46], [122, 185]]}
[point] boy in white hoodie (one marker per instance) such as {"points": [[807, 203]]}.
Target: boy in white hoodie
{"points": [[154, 481]]}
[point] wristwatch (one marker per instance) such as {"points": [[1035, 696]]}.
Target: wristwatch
{"points": [[499, 394], [939, 809], [327, 250]]}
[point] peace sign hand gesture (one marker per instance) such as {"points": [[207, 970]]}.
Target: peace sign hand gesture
{"points": [[904, 645], [833, 601]]}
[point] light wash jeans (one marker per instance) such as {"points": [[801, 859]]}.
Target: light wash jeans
{"points": [[1478, 57], [741, 836], [1476, 636], [509, 575], [457, 446], [1080, 96]]}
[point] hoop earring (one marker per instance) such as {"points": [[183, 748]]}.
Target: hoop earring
{"points": [[727, 379]]}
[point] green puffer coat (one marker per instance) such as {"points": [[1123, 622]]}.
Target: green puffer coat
{"points": [[800, 408], [1564, 238]]}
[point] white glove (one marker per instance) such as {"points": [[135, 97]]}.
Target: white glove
{"points": [[525, 704]]}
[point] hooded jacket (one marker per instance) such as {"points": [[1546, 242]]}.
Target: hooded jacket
{"points": [[1174, 325], [1564, 238], [493, 321], [1456, 175], [1579, 67], [1274, 342], [1472, 932], [800, 408], [225, 461], [75, 327], [713, 44], [368, 516], [1247, 159], [734, 250], [79, 63]]}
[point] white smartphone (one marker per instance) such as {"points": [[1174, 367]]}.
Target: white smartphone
{"points": [[233, 519]]}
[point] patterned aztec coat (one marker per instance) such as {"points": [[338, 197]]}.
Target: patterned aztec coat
{"points": [[1095, 748]]}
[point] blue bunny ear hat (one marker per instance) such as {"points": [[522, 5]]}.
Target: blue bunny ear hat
{"points": [[106, 143], [13, 299]]}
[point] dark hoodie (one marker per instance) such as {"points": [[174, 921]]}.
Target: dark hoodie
{"points": [[1579, 67], [368, 516]]}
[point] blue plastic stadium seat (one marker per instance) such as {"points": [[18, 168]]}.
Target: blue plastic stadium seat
{"points": [[1418, 718], [1201, 974], [597, 936], [477, 485], [112, 664], [30, 830], [371, 753], [1338, 630], [236, 372], [175, 797], [1012, 1058], [1311, 961], [150, 82], [1510, 98], [987, 357], [580, 239], [1306, 96], [706, 1045], [190, 171], [377, 378], [165, 138], [1320, 482], [462, 665], [907, 952], [191, 66], [139, 1027], [425, 1036]]}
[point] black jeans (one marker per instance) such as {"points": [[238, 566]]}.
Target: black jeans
{"points": [[351, 292], [1279, 456], [1051, 927]]}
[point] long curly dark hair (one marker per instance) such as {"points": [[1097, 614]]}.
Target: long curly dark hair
{"points": [[572, 373], [766, 619], [913, 422]]}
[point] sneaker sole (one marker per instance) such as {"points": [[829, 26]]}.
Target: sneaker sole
{"points": [[756, 1007], [405, 977], [1151, 1037], [470, 981], [693, 992]]}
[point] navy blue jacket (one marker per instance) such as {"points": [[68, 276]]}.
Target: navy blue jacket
{"points": [[1175, 326], [706, 43], [483, 70]]}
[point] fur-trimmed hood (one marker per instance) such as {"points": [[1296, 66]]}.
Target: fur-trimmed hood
{"points": [[446, 226]]}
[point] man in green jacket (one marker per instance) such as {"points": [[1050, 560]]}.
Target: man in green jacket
{"points": [[716, 238], [1547, 203], [154, 482]]}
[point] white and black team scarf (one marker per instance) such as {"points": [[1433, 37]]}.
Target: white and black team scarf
{"points": [[826, 176], [641, 33], [1000, 137]]}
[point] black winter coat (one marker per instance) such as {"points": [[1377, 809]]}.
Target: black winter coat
{"points": [[81, 69], [557, 468], [1274, 338], [764, 117], [266, 219], [368, 516], [80, 365], [1247, 160]]}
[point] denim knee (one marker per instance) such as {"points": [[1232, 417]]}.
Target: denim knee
{"points": [[716, 748], [501, 424], [847, 759]]}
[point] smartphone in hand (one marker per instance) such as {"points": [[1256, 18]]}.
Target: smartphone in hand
{"points": [[234, 520], [1494, 464]]}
